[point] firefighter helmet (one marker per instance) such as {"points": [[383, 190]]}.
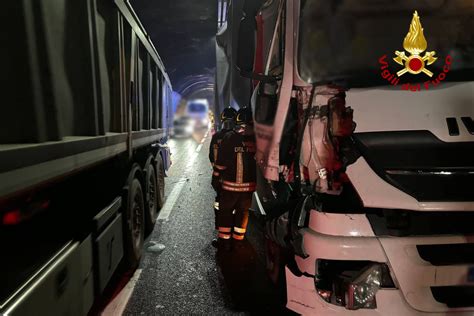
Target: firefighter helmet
{"points": [[229, 113], [244, 116]]}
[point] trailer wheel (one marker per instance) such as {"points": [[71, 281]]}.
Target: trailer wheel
{"points": [[134, 230], [152, 198], [160, 171]]}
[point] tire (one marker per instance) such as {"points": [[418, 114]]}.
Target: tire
{"points": [[151, 204], [276, 258], [160, 177], [134, 222]]}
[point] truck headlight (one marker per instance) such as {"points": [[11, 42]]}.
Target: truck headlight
{"points": [[361, 291], [352, 284]]}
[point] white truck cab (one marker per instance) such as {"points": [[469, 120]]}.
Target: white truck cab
{"points": [[365, 142]]}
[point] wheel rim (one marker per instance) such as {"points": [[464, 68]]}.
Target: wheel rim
{"points": [[137, 222]]}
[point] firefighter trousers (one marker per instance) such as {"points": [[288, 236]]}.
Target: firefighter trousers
{"points": [[233, 214]]}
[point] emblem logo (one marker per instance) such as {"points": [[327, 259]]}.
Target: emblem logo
{"points": [[415, 43]]}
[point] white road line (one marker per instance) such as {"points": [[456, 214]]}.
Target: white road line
{"points": [[175, 192], [170, 201], [117, 305]]}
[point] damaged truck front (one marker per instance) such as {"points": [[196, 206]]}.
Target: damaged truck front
{"points": [[365, 147]]}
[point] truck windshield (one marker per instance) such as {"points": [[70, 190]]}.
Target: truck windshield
{"points": [[344, 40], [197, 108]]}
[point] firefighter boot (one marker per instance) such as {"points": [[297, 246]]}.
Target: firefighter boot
{"points": [[222, 244], [238, 244], [223, 238]]}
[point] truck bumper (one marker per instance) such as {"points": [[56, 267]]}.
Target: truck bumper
{"points": [[303, 299], [413, 276]]}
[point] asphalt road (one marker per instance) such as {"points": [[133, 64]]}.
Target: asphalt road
{"points": [[181, 273]]}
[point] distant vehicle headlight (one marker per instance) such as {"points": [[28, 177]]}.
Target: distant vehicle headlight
{"points": [[189, 129]]}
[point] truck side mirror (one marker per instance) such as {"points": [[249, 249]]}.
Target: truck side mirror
{"points": [[246, 44], [246, 50]]}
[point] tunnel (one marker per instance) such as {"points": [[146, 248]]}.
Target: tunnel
{"points": [[237, 157]]}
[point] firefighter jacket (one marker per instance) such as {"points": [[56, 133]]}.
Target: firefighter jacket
{"points": [[215, 143], [213, 152], [236, 162]]}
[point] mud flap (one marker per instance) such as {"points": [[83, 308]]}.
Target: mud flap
{"points": [[165, 153]]}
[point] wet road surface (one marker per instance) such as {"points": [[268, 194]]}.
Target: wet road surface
{"points": [[181, 273]]}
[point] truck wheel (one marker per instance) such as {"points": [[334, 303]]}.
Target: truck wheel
{"points": [[275, 265], [272, 256], [275, 261], [160, 171], [134, 231], [152, 198]]}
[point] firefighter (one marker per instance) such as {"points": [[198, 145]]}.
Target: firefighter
{"points": [[237, 171], [228, 123]]}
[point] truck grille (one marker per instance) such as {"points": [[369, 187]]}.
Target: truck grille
{"points": [[393, 222], [421, 165], [454, 296], [434, 273], [447, 254], [430, 185]]}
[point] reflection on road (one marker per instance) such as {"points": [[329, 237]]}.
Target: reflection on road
{"points": [[187, 276]]}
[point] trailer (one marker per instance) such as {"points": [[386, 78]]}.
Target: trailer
{"points": [[365, 143], [83, 151]]}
